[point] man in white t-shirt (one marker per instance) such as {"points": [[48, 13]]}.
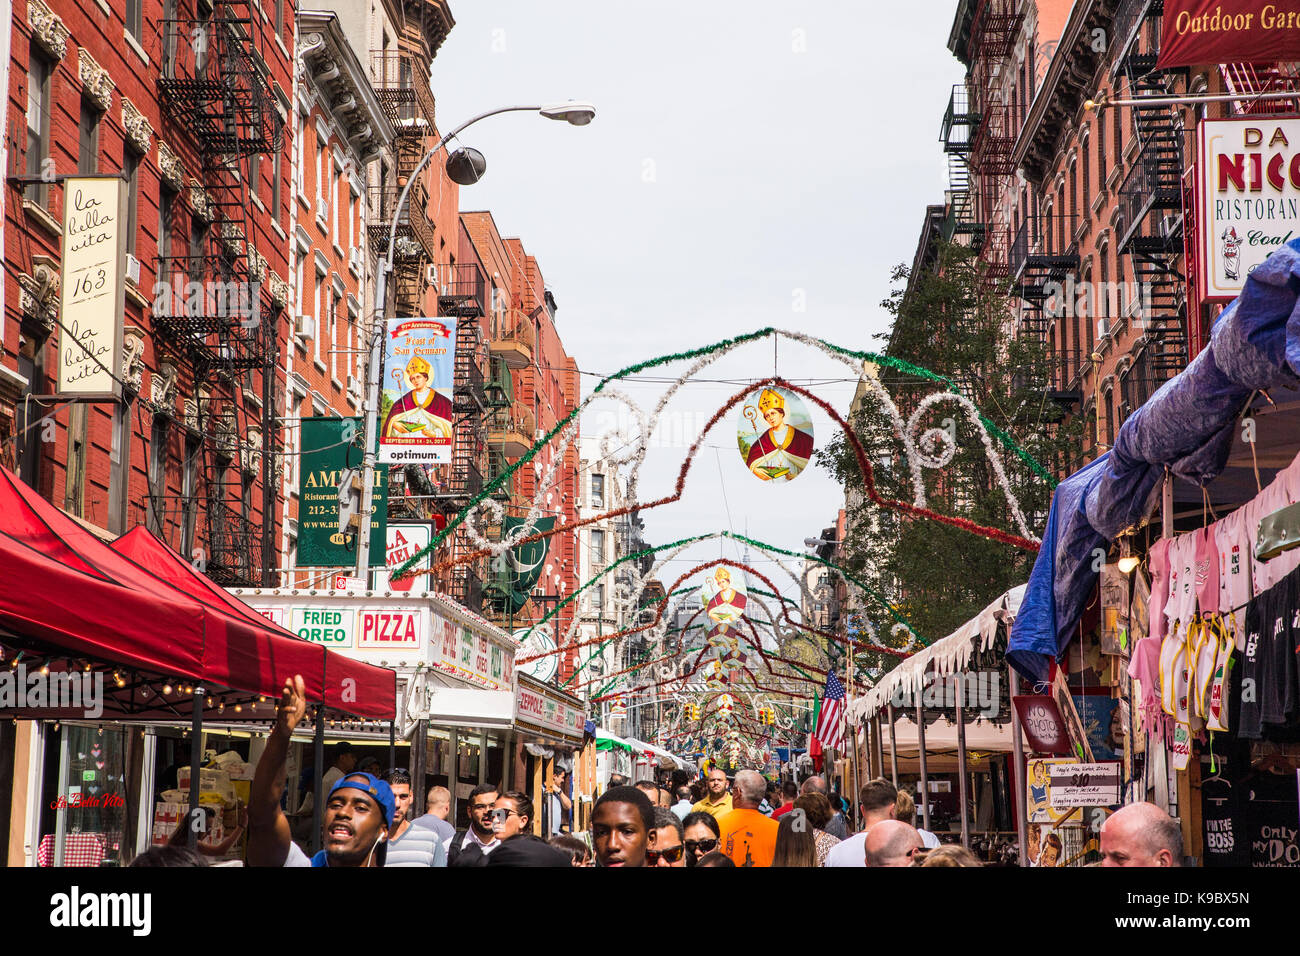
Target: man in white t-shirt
{"points": [[878, 801]]}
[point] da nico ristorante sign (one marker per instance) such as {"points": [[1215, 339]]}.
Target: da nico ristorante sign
{"points": [[329, 448], [416, 407], [1248, 197], [91, 293]]}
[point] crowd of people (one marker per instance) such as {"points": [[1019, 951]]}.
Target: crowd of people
{"points": [[745, 821]]}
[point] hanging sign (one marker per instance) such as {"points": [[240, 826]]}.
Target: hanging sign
{"points": [[1084, 784], [1248, 196], [91, 290], [416, 406], [1201, 32], [775, 435], [723, 595], [327, 452], [1041, 721], [405, 540]]}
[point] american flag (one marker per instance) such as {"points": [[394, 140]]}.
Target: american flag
{"points": [[830, 722]]}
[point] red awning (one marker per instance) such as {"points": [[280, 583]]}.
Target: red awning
{"points": [[64, 594], [357, 688]]}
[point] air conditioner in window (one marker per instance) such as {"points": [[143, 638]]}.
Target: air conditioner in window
{"points": [[356, 258], [305, 327], [1170, 224], [431, 275], [354, 385], [1103, 327], [132, 269], [322, 208]]}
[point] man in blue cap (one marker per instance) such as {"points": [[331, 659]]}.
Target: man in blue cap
{"points": [[358, 812]]}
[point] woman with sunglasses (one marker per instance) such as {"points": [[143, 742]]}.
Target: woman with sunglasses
{"points": [[702, 835], [512, 823]]}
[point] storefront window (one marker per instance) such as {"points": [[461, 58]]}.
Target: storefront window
{"points": [[90, 796]]}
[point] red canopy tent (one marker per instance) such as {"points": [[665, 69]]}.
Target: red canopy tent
{"points": [[143, 615], [348, 685]]}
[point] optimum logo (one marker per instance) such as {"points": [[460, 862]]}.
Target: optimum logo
{"points": [[21, 689]]}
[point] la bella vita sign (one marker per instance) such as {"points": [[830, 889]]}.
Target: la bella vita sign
{"points": [[91, 295]]}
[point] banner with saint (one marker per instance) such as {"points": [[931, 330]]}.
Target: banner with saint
{"points": [[723, 597], [775, 435], [415, 415]]}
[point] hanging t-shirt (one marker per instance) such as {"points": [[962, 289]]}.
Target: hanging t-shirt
{"points": [[1182, 579], [1232, 540], [1281, 491], [1158, 558], [1270, 814], [1224, 830], [1205, 567], [1254, 664]]}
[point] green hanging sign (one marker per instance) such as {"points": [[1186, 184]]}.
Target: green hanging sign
{"points": [[328, 449], [516, 574]]}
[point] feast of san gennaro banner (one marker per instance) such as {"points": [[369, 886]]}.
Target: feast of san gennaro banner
{"points": [[1228, 31], [416, 405]]}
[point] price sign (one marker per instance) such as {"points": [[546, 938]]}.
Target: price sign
{"points": [[1084, 784]]}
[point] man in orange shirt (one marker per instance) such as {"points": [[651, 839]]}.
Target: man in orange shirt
{"points": [[748, 837]]}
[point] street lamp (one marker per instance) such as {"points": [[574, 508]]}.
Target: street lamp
{"points": [[574, 113]]}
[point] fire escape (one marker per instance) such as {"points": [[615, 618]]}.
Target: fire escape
{"points": [[992, 126], [1151, 199], [213, 85], [960, 123]]}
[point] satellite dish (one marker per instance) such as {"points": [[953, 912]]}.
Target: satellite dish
{"points": [[466, 166]]}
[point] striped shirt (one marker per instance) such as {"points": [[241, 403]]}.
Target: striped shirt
{"points": [[418, 846]]}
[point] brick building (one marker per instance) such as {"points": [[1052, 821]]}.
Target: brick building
{"points": [[132, 89], [1086, 211]]}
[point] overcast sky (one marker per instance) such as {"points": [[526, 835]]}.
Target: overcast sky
{"points": [[746, 156]]}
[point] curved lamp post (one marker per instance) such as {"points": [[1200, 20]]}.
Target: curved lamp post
{"points": [[576, 114]]}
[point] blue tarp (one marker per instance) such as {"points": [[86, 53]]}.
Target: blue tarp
{"points": [[1188, 425]]}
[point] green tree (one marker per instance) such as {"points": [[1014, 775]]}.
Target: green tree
{"points": [[952, 320]]}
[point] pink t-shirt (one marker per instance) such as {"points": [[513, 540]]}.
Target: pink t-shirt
{"points": [[1206, 570], [1232, 541], [1158, 559]]}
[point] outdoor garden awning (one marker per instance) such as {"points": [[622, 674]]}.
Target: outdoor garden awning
{"points": [[1190, 426]]}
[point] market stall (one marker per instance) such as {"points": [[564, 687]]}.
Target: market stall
{"points": [[122, 643], [945, 710], [1193, 509]]}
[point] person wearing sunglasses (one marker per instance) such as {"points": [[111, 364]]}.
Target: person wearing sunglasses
{"points": [[512, 822], [472, 845], [666, 848], [701, 835]]}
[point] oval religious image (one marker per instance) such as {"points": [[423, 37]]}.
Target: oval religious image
{"points": [[775, 434]]}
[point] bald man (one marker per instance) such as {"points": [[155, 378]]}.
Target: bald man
{"points": [[892, 843], [1141, 834]]}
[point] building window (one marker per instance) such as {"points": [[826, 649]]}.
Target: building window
{"points": [[598, 491], [334, 334], [189, 495], [88, 140], [39, 76], [166, 209], [597, 549], [131, 168], [133, 9], [157, 475], [299, 131], [1101, 154], [255, 176], [1085, 210], [598, 597], [277, 164]]}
